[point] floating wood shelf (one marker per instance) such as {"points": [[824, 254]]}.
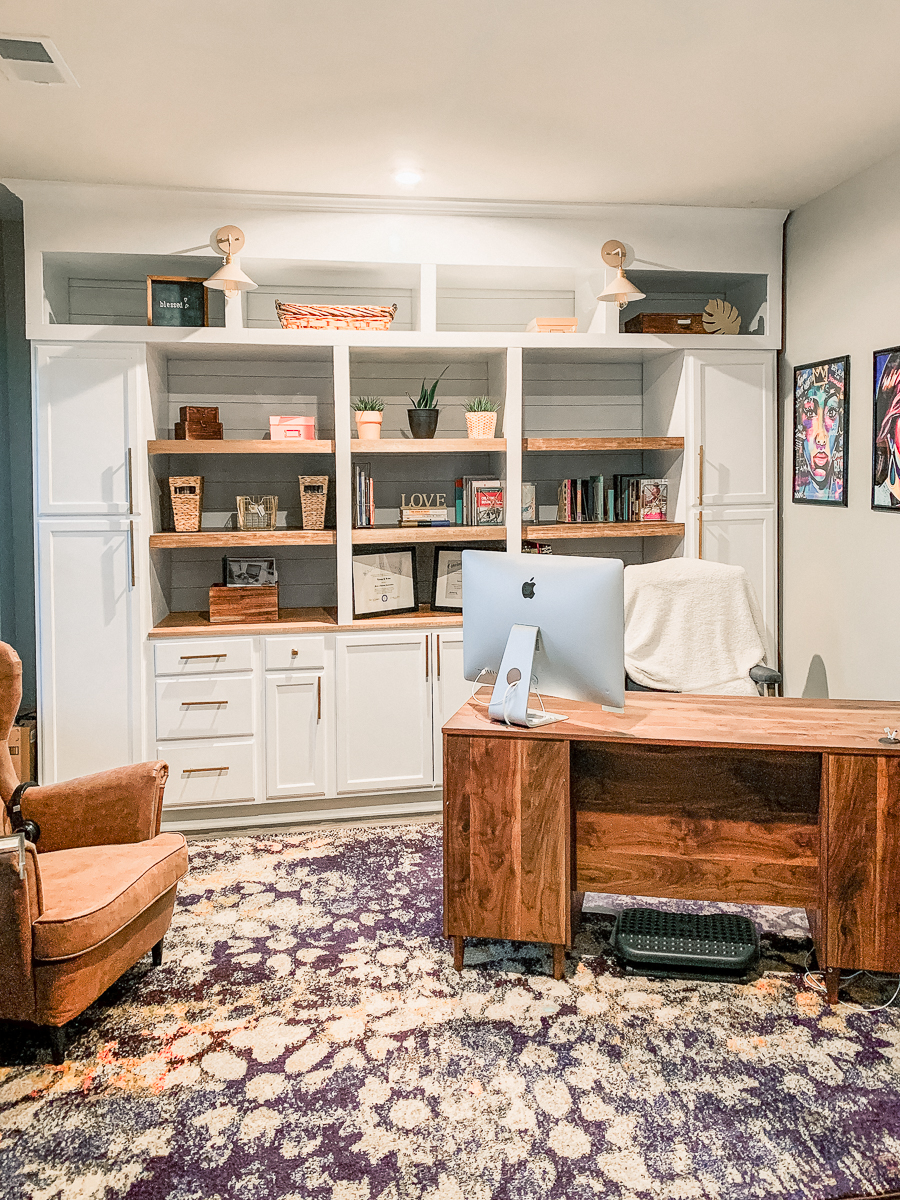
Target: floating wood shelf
{"points": [[238, 537], [234, 446], [623, 443], [609, 529], [426, 445], [296, 620], [440, 533]]}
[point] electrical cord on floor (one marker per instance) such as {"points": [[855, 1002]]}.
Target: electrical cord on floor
{"points": [[818, 985]]}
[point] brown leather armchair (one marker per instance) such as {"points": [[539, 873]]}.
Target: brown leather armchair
{"points": [[75, 916]]}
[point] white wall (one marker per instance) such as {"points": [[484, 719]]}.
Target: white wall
{"points": [[841, 567]]}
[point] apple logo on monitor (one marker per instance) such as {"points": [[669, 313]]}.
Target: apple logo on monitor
{"points": [[528, 589]]}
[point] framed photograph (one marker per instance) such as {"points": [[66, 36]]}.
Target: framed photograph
{"points": [[446, 584], [177, 300], [821, 429], [384, 582], [886, 431], [248, 572]]}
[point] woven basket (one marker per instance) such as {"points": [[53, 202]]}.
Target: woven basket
{"points": [[257, 512], [481, 424], [187, 502], [313, 496], [334, 316]]}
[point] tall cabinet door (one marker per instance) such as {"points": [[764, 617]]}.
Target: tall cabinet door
{"points": [[745, 537], [296, 725], [451, 688], [88, 648], [384, 727]]}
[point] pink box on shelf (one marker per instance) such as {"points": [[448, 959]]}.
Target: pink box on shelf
{"points": [[281, 428]]}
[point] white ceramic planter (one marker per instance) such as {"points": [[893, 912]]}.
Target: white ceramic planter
{"points": [[368, 425], [481, 424]]}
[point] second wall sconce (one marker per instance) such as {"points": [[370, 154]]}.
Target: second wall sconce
{"points": [[230, 279]]}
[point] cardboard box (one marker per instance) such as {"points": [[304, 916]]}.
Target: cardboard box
{"points": [[23, 750]]}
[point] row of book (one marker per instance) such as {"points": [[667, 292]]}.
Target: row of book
{"points": [[363, 496], [624, 498], [479, 501]]}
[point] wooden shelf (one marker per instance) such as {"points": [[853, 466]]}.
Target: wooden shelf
{"points": [[427, 445], [235, 446], [297, 620], [609, 529], [237, 537], [595, 444], [394, 535]]}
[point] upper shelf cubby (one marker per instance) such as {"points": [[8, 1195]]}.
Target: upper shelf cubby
{"points": [[691, 291]]}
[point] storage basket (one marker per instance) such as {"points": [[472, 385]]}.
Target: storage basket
{"points": [[313, 496], [257, 512], [334, 316], [187, 502], [481, 424]]}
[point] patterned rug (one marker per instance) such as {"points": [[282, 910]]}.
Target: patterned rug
{"points": [[307, 1039]]}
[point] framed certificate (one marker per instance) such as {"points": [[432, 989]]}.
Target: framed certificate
{"points": [[446, 585], [384, 583]]}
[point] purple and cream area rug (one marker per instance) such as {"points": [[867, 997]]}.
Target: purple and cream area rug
{"points": [[308, 1039]]}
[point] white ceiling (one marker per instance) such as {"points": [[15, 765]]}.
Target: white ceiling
{"points": [[741, 102]]}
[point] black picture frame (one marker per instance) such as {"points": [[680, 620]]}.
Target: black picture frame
{"points": [[177, 301], [886, 430], [439, 551], [362, 611], [821, 388]]}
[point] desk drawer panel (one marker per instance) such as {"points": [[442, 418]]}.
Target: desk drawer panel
{"points": [[208, 772], [203, 707], [203, 656], [295, 653]]}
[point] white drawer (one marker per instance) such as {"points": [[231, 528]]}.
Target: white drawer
{"points": [[204, 707], [298, 653], [208, 772], [205, 656]]}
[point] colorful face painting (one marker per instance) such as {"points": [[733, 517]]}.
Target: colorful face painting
{"points": [[886, 432], [821, 419]]}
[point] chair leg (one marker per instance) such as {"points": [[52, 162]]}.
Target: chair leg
{"points": [[57, 1036], [156, 952]]}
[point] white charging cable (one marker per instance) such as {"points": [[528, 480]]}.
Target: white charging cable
{"points": [[818, 985]]}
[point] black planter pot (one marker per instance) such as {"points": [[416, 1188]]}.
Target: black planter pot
{"points": [[423, 421]]}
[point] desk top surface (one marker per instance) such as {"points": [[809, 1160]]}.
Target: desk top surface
{"points": [[673, 719]]}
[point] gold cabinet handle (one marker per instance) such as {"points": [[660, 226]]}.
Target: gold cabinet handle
{"points": [[294, 653], [437, 639], [204, 703], [204, 770], [319, 698], [188, 657]]}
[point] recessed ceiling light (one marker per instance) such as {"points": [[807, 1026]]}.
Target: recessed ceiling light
{"points": [[408, 178]]}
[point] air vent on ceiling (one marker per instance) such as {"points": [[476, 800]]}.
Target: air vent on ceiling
{"points": [[33, 60]]}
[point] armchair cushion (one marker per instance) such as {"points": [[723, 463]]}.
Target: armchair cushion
{"points": [[91, 893]]}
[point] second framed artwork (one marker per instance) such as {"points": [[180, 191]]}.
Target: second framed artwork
{"points": [[821, 427], [886, 431]]}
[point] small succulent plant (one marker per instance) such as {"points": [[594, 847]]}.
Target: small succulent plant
{"points": [[426, 394], [367, 404], [481, 404]]}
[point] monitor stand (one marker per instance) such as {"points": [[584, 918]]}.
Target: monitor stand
{"points": [[509, 699]]}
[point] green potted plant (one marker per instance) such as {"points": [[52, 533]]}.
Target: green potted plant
{"points": [[369, 413], [423, 416], [481, 417]]}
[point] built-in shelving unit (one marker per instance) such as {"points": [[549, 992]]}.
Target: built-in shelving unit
{"points": [[609, 529]]}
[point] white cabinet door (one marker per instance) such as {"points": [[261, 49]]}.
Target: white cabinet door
{"points": [[296, 735], [86, 398], [745, 537], [384, 730], [89, 657], [451, 688], [734, 426]]}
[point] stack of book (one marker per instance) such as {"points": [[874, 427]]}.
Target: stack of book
{"points": [[411, 518], [479, 501], [363, 496]]}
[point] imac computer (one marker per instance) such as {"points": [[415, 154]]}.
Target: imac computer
{"points": [[556, 624]]}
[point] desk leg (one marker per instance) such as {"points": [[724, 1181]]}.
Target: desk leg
{"points": [[559, 961], [832, 983], [459, 949]]}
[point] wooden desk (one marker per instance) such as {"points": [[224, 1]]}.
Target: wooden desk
{"points": [[788, 802]]}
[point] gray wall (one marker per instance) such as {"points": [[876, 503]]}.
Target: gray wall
{"points": [[16, 528], [841, 567]]}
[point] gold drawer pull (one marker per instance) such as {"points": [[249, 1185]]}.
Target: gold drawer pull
{"points": [[203, 703], [188, 657], [294, 653], [202, 770]]}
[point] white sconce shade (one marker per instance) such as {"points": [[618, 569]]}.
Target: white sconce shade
{"points": [[229, 278], [621, 290]]}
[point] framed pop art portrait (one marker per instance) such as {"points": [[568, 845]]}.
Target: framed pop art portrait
{"points": [[821, 426], [886, 431]]}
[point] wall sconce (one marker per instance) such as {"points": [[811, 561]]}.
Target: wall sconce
{"points": [[621, 290], [230, 279]]}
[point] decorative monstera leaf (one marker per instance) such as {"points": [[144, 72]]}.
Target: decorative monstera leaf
{"points": [[721, 317]]}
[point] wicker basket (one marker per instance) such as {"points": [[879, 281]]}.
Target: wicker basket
{"points": [[257, 512], [334, 316], [313, 496], [481, 424], [187, 502]]}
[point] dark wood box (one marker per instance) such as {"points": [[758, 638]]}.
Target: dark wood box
{"points": [[195, 432], [647, 322], [192, 414], [242, 605]]}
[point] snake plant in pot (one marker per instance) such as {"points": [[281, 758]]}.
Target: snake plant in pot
{"points": [[423, 416], [481, 417]]}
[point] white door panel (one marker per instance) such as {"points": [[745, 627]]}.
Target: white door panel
{"points": [[451, 688], [746, 538], [734, 423], [296, 715], [384, 729]]}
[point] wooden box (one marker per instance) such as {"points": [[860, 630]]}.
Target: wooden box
{"points": [[197, 432], [193, 414], [23, 750], [647, 322], [242, 605]]}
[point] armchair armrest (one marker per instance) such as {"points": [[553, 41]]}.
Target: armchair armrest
{"points": [[108, 809], [21, 904]]}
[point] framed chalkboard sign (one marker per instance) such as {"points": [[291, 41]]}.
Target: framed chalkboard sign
{"points": [[176, 300]]}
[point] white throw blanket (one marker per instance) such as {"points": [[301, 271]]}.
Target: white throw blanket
{"points": [[692, 626]]}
